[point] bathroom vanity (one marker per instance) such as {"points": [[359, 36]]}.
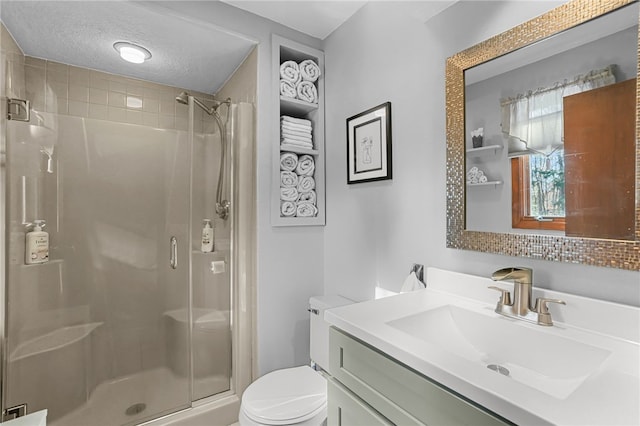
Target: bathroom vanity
{"points": [[443, 356], [367, 382]]}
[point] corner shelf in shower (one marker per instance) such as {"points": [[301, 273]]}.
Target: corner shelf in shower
{"points": [[56, 339], [285, 50], [212, 254]]}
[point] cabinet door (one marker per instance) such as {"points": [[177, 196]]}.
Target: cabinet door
{"points": [[398, 393], [344, 408]]}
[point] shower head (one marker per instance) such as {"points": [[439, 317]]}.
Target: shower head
{"points": [[183, 98]]}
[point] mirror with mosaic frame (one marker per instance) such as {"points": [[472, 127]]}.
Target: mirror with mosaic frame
{"points": [[615, 253]]}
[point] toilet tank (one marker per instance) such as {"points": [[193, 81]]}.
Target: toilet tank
{"points": [[319, 329]]}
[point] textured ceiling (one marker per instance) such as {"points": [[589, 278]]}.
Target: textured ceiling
{"points": [[185, 54], [315, 18]]}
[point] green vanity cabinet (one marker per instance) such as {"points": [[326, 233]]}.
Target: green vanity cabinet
{"points": [[346, 409], [368, 387]]}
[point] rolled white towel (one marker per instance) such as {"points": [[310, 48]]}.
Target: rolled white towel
{"points": [[289, 194], [294, 126], [309, 70], [288, 161], [306, 209], [307, 92], [288, 89], [306, 184], [306, 165], [474, 174], [287, 209], [289, 119], [288, 179], [483, 179], [307, 196], [290, 71]]}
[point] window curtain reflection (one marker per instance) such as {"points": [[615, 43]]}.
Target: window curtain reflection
{"points": [[533, 122]]}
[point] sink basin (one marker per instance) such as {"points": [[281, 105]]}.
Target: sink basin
{"points": [[541, 359]]}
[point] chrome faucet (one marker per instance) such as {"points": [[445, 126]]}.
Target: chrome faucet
{"points": [[521, 306]]}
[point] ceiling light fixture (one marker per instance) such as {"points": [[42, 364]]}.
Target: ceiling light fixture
{"points": [[131, 52]]}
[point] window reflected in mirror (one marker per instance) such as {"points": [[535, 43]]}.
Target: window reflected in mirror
{"points": [[537, 191]]}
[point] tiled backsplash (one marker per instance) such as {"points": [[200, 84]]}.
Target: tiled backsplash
{"points": [[70, 90]]}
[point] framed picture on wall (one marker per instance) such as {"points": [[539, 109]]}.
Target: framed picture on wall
{"points": [[369, 145]]}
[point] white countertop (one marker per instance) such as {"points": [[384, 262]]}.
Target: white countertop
{"points": [[610, 395]]}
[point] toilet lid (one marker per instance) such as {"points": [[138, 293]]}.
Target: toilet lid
{"points": [[286, 396]]}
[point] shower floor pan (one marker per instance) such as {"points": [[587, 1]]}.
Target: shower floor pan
{"points": [[119, 402]]}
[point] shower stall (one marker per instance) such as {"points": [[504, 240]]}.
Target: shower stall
{"points": [[128, 320]]}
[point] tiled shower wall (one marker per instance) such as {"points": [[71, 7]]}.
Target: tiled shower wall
{"points": [[12, 72], [81, 92]]}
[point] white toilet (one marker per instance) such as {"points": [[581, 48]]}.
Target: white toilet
{"points": [[298, 395]]}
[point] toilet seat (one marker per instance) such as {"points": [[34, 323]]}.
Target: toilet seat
{"points": [[284, 397]]}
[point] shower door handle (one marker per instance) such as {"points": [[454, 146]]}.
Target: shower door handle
{"points": [[173, 252]]}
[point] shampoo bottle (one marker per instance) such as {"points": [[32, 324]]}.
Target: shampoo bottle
{"points": [[207, 236], [37, 244]]}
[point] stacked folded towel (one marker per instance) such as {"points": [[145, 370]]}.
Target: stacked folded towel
{"points": [[296, 131], [474, 176], [297, 81], [297, 185]]}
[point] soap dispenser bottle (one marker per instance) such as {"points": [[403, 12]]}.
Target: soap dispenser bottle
{"points": [[37, 244], [207, 236]]}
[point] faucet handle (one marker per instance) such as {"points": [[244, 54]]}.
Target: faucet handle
{"points": [[505, 296], [542, 309]]}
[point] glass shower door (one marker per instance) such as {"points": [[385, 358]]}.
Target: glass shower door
{"points": [[98, 334]]}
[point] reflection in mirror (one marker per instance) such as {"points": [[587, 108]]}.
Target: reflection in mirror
{"points": [[550, 134], [487, 223]]}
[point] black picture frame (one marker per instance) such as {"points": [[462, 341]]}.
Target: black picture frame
{"points": [[369, 145]]}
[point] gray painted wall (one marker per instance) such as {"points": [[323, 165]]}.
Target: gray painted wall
{"points": [[376, 230]]}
